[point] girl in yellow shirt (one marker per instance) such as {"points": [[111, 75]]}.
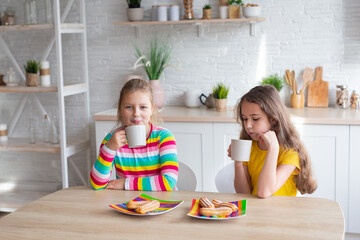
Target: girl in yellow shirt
{"points": [[279, 163]]}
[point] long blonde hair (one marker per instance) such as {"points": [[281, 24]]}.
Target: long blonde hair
{"points": [[134, 85], [268, 98]]}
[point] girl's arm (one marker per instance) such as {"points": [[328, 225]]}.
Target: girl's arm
{"points": [[166, 180], [271, 177], [101, 171], [242, 181]]}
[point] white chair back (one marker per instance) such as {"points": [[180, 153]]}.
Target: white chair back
{"points": [[186, 179], [224, 179]]}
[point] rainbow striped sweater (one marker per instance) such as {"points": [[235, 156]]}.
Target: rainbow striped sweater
{"points": [[153, 167]]}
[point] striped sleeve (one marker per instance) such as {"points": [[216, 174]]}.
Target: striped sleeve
{"points": [[169, 168], [101, 171]]}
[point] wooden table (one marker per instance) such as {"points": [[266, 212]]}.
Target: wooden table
{"points": [[83, 213]]}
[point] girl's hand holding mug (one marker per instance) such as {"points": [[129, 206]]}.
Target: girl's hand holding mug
{"points": [[117, 140]]}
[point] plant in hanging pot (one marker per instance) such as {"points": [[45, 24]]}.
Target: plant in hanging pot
{"points": [[154, 61], [220, 92], [32, 68], [207, 11], [234, 8], [135, 12]]}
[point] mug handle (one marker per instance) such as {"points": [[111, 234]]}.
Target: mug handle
{"points": [[202, 95]]}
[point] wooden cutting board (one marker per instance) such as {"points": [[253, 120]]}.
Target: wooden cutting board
{"points": [[318, 91]]}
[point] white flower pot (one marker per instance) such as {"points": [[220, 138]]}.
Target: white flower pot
{"points": [[135, 14], [249, 12]]}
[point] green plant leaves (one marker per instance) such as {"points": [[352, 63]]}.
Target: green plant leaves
{"points": [[220, 91], [274, 80], [32, 66], [158, 55]]}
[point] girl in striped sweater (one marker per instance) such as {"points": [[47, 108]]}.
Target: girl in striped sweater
{"points": [[153, 167]]}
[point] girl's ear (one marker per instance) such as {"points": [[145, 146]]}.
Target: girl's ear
{"points": [[274, 125]]}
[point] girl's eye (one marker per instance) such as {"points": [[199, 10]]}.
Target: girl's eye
{"points": [[128, 107], [244, 119], [255, 119], [143, 107]]}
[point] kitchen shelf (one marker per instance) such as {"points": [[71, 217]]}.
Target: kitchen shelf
{"points": [[65, 27], [25, 89], [198, 22], [69, 89], [23, 145]]}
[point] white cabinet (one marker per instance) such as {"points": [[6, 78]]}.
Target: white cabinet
{"points": [[327, 146], [354, 180], [194, 143]]}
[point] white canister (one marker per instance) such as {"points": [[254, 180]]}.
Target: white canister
{"points": [[45, 80], [162, 13], [174, 12], [3, 132], [224, 12], [154, 13]]}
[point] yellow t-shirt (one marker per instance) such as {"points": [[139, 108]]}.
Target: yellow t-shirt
{"points": [[256, 162]]}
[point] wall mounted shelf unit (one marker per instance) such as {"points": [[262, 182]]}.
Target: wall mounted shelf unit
{"points": [[67, 146], [197, 22]]}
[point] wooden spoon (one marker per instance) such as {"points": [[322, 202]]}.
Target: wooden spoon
{"points": [[288, 79], [294, 81], [308, 76]]}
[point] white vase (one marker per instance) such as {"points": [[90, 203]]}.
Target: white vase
{"points": [[135, 14]]}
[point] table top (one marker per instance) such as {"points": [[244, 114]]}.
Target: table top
{"points": [[331, 116], [83, 213]]}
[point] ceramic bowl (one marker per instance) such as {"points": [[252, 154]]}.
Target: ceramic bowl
{"points": [[249, 12]]}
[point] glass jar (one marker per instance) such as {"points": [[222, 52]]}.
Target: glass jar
{"points": [[9, 17], [188, 8], [48, 11], [355, 100], [33, 12], [11, 78], [342, 97]]}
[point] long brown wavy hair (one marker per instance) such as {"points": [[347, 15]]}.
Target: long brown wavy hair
{"points": [[268, 98], [134, 85]]}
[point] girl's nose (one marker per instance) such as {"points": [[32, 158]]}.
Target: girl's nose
{"points": [[248, 125], [136, 111]]}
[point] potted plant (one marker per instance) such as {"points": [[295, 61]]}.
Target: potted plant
{"points": [[275, 80], [32, 68], [207, 11], [220, 92], [135, 12], [155, 60], [251, 10], [234, 8]]}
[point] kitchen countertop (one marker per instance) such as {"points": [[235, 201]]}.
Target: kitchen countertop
{"points": [[331, 116]]}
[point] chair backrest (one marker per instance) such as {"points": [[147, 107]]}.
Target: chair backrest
{"points": [[224, 179], [186, 179]]}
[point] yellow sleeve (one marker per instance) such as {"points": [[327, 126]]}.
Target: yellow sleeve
{"points": [[290, 157]]}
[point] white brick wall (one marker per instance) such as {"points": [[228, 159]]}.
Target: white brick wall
{"points": [[295, 35]]}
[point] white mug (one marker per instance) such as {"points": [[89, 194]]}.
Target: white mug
{"points": [[192, 98], [240, 149], [136, 136]]}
